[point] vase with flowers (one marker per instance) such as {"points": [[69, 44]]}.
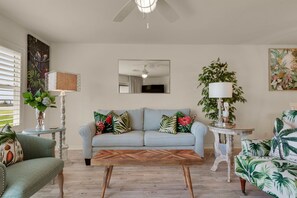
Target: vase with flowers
{"points": [[40, 101]]}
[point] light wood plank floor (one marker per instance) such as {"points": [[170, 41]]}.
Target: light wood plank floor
{"points": [[147, 182]]}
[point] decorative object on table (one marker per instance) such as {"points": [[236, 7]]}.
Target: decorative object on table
{"points": [[11, 150], [40, 101], [283, 69], [218, 72], [226, 112], [38, 64], [220, 90], [63, 82]]}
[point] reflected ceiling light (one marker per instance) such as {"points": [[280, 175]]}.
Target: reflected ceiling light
{"points": [[144, 73], [146, 6]]}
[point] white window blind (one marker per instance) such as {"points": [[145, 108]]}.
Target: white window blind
{"points": [[10, 86]]}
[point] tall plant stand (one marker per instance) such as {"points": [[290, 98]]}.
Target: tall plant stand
{"points": [[224, 151]]}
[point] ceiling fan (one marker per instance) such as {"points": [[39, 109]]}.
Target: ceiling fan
{"points": [[146, 7]]}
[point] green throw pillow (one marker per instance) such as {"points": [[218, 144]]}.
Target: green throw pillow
{"points": [[168, 124], [11, 150], [121, 123], [103, 123], [284, 142], [184, 122]]}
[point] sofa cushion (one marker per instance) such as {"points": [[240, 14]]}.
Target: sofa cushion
{"points": [[168, 124], [103, 122], [27, 177], [121, 123], [156, 138], [135, 116], [133, 138], [152, 117], [184, 122], [273, 176]]}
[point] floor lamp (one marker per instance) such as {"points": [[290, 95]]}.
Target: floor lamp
{"points": [[63, 82], [220, 90]]}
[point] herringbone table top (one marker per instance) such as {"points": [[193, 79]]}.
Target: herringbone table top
{"points": [[146, 157]]}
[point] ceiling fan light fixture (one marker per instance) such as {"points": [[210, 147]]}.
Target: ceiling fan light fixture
{"points": [[144, 73], [146, 6]]}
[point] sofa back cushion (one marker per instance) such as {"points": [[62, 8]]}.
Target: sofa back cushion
{"points": [[153, 117], [135, 116]]}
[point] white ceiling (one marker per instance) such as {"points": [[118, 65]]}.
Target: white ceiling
{"points": [[201, 21]]}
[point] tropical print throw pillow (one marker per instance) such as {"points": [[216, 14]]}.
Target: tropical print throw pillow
{"points": [[168, 124], [284, 142], [11, 150], [103, 122], [258, 148], [290, 117], [121, 123], [184, 122]]}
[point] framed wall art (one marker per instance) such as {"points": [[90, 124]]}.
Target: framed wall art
{"points": [[38, 64], [283, 69]]}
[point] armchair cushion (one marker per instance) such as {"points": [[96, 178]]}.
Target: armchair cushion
{"points": [[258, 148], [273, 176], [290, 117], [284, 142], [11, 150]]}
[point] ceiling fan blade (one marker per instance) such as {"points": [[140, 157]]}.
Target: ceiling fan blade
{"points": [[167, 11], [125, 11]]}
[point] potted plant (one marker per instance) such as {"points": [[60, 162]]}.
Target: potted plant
{"points": [[218, 72], [40, 101]]}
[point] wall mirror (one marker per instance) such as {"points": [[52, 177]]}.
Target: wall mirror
{"points": [[144, 76]]}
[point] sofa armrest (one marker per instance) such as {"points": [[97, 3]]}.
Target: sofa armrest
{"points": [[87, 132], [3, 182], [199, 130], [258, 148], [36, 147]]}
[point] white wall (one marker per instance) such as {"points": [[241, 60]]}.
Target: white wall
{"points": [[14, 36], [98, 66]]}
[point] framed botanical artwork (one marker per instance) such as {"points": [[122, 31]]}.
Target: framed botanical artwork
{"points": [[38, 64], [283, 69]]}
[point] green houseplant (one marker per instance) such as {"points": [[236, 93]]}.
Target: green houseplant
{"points": [[218, 72], [40, 101]]}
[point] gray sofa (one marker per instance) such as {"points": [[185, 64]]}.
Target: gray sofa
{"points": [[145, 124]]}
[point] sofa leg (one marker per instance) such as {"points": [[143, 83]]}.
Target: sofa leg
{"points": [[88, 162], [61, 183], [242, 183]]}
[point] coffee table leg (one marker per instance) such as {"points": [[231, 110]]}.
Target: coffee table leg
{"points": [[184, 171], [105, 178], [109, 175], [189, 181]]}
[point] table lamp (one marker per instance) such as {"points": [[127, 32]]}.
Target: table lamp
{"points": [[220, 90], [63, 82]]}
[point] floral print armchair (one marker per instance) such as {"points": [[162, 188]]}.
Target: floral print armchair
{"points": [[271, 165]]}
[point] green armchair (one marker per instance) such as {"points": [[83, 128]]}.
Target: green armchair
{"points": [[39, 167]]}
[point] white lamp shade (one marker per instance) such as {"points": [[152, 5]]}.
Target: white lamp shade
{"points": [[220, 90]]}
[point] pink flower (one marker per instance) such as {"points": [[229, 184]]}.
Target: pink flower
{"points": [[185, 120], [100, 126], [108, 119]]}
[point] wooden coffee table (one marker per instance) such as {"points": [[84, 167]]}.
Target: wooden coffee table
{"points": [[110, 158]]}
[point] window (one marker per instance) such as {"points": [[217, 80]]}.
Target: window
{"points": [[10, 86]]}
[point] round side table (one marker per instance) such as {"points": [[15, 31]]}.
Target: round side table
{"points": [[223, 152]]}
